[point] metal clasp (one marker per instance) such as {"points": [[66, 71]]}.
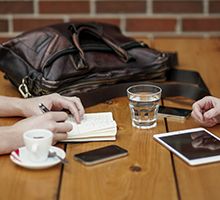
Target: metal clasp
{"points": [[23, 89]]}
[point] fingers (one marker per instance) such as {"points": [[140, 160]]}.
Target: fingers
{"points": [[206, 122], [202, 121], [53, 121], [62, 127], [56, 121], [210, 123], [205, 111], [56, 116], [197, 114], [58, 125], [60, 136], [211, 113], [55, 102], [73, 104], [78, 104], [74, 111]]}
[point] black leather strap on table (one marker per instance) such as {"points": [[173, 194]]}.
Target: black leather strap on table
{"points": [[183, 83]]}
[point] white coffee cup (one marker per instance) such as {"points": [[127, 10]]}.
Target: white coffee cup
{"points": [[38, 143]]}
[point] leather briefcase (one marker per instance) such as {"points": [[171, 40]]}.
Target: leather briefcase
{"points": [[79, 59]]}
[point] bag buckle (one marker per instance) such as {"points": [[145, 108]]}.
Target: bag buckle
{"points": [[23, 89]]}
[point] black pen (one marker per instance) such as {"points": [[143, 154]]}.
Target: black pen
{"points": [[43, 108]]}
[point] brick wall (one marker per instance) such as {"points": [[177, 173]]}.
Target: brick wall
{"points": [[150, 18]]}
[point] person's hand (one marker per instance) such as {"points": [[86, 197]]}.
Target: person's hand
{"points": [[207, 111], [53, 102], [53, 121]]}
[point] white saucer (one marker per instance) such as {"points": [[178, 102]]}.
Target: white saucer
{"points": [[19, 157]]}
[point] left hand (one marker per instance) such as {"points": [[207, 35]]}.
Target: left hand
{"points": [[206, 111], [12, 136]]}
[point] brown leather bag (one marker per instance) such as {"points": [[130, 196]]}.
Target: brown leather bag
{"points": [[76, 59]]}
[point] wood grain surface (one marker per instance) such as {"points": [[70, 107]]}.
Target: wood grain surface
{"points": [[149, 171]]}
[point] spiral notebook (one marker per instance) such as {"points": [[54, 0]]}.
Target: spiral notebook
{"points": [[94, 127]]}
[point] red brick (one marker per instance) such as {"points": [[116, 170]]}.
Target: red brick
{"points": [[204, 24], [178, 7], [3, 25], [214, 7], [29, 24], [121, 7], [100, 20], [70, 7], [151, 24], [16, 7]]}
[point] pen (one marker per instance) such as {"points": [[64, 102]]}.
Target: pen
{"points": [[43, 108]]}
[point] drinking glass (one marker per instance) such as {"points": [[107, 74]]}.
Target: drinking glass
{"points": [[144, 104]]}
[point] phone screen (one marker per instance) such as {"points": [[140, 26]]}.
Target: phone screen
{"points": [[194, 145], [169, 111], [101, 154]]}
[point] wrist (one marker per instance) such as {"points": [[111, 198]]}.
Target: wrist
{"points": [[11, 106], [18, 107], [10, 139]]}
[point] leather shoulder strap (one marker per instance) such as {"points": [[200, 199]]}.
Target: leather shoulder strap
{"points": [[183, 83]]}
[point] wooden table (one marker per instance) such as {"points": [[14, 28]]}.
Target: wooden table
{"points": [[162, 175]]}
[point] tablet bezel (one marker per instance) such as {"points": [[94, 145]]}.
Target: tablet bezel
{"points": [[192, 162]]}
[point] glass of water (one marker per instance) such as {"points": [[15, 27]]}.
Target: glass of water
{"points": [[144, 104]]}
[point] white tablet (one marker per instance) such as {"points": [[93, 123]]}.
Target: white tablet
{"points": [[195, 146]]}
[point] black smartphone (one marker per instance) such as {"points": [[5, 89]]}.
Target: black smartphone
{"points": [[101, 155], [175, 113]]}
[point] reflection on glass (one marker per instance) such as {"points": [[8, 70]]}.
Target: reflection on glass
{"points": [[194, 145], [205, 141]]}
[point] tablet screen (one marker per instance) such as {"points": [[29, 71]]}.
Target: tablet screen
{"points": [[194, 145]]}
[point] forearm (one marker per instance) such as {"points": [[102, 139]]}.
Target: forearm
{"points": [[10, 139], [11, 106]]}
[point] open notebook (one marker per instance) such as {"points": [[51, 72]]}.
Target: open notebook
{"points": [[93, 127]]}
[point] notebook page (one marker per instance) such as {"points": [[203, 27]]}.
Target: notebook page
{"points": [[107, 138], [102, 133], [92, 122]]}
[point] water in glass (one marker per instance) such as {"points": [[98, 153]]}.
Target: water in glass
{"points": [[144, 111]]}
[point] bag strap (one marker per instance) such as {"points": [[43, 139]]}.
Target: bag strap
{"points": [[181, 83], [120, 52]]}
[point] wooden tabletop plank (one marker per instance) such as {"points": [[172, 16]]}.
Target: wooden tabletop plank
{"points": [[198, 182], [20, 183], [115, 179], [198, 54], [6, 88]]}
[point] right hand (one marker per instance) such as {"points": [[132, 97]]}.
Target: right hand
{"points": [[54, 102], [207, 111], [53, 121]]}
